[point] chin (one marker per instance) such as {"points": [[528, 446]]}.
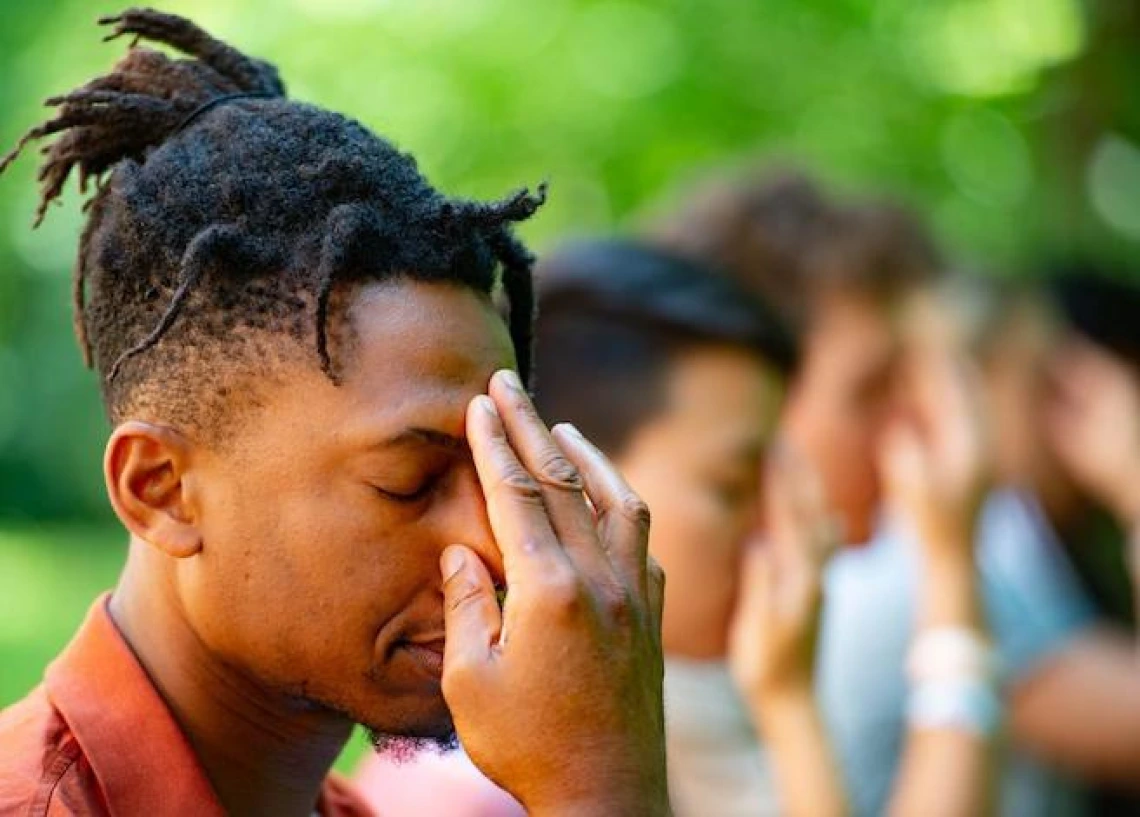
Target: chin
{"points": [[419, 715], [412, 732]]}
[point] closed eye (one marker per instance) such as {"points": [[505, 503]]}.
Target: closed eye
{"points": [[406, 497]]}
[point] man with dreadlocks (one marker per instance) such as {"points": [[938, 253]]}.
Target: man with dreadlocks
{"points": [[329, 468]]}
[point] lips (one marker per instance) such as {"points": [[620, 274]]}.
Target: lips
{"points": [[428, 654]]}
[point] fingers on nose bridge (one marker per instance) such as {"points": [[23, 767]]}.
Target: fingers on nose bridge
{"points": [[467, 522]]}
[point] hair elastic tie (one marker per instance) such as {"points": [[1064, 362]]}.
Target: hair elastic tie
{"points": [[209, 105]]}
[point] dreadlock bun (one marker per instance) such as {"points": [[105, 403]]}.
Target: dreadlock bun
{"points": [[220, 205]]}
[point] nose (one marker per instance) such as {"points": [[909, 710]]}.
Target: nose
{"points": [[463, 521]]}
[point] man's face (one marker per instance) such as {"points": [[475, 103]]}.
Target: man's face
{"points": [[697, 465], [841, 399], [324, 515]]}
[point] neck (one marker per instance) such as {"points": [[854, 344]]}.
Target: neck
{"points": [[264, 753]]}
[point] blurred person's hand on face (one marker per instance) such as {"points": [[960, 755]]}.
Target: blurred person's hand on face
{"points": [[775, 629], [935, 458], [772, 648], [1093, 424]]}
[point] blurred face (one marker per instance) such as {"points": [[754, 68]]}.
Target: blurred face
{"points": [[841, 399], [697, 465], [324, 517]]}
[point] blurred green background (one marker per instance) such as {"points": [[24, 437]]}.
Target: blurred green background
{"points": [[1014, 125]]}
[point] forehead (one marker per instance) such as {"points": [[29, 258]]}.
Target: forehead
{"points": [[415, 355], [415, 343], [721, 400]]}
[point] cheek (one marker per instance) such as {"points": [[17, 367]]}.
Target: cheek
{"points": [[294, 569]]}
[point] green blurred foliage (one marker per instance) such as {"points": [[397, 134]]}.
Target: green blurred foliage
{"points": [[1013, 124]]}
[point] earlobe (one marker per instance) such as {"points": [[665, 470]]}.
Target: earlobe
{"points": [[145, 468]]}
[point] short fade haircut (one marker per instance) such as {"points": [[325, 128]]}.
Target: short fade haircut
{"points": [[615, 314], [229, 224], [781, 237]]}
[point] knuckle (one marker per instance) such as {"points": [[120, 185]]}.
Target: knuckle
{"points": [[556, 471], [617, 606], [655, 572], [635, 509], [520, 485], [564, 595], [461, 590]]}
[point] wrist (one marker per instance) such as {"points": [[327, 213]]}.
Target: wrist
{"points": [[950, 595], [609, 791], [786, 694], [775, 710], [949, 560], [594, 806]]}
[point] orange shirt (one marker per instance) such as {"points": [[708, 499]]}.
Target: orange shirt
{"points": [[95, 738]]}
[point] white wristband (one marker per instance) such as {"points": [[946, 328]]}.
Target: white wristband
{"points": [[968, 705], [951, 653]]}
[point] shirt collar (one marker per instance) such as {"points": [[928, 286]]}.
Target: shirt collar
{"points": [[140, 756]]}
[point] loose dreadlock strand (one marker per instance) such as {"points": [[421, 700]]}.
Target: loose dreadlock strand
{"points": [[519, 206], [518, 285], [178, 32], [165, 322], [350, 230], [324, 296], [204, 249], [79, 282], [142, 101]]}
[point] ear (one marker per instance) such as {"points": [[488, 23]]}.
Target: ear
{"points": [[145, 467]]}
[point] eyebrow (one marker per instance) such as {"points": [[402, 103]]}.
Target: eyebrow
{"points": [[427, 436]]}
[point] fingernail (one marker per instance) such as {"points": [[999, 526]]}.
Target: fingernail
{"points": [[486, 404], [511, 380], [451, 562], [570, 429]]}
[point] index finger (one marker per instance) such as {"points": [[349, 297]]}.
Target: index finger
{"points": [[515, 506]]}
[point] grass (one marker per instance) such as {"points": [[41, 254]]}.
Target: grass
{"points": [[49, 575]]}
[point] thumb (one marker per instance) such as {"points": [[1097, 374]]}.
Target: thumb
{"points": [[472, 619]]}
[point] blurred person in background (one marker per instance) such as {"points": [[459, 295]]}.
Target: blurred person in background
{"points": [[1069, 666], [838, 277], [682, 374], [1100, 307], [1093, 422], [660, 360], [842, 275]]}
